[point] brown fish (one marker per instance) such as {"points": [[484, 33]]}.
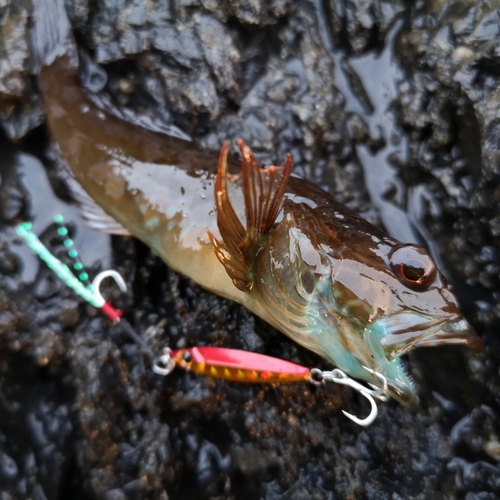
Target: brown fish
{"points": [[277, 244]]}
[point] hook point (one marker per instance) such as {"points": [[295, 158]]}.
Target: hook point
{"points": [[364, 422]]}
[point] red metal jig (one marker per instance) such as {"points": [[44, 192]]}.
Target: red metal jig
{"points": [[238, 366]]}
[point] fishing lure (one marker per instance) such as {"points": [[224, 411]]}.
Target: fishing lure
{"points": [[242, 366], [91, 292], [237, 366]]}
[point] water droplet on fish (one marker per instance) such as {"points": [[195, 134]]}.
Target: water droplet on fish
{"points": [[84, 108], [101, 115]]}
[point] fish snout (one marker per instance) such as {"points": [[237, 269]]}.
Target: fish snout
{"points": [[458, 332], [406, 331]]}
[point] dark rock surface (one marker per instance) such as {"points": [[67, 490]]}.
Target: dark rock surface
{"points": [[392, 106]]}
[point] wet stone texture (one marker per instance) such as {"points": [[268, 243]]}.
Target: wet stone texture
{"points": [[393, 107]]}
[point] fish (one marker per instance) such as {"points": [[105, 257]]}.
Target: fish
{"points": [[275, 243]]}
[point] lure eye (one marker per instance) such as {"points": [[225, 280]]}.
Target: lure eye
{"points": [[413, 266], [186, 357]]}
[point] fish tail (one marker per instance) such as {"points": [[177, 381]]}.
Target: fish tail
{"points": [[51, 35]]}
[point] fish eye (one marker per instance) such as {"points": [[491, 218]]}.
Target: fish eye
{"points": [[413, 271], [186, 357], [413, 266]]}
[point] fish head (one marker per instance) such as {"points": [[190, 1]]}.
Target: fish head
{"points": [[420, 311], [365, 298]]}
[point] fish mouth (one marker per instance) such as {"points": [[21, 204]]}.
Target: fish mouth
{"points": [[399, 382], [409, 331], [403, 395]]}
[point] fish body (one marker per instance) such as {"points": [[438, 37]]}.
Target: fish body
{"points": [[160, 188], [277, 244]]}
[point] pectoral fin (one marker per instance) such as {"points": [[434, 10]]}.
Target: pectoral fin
{"points": [[92, 214], [264, 195]]}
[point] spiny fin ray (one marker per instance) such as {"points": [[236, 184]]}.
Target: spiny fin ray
{"points": [[264, 196]]}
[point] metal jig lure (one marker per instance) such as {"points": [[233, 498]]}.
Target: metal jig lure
{"points": [[243, 366]]}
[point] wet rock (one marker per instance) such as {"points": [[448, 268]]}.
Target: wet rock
{"points": [[32, 417], [364, 22], [20, 107], [474, 476], [13, 32], [407, 88], [50, 429], [78, 11], [253, 461], [478, 431], [8, 262], [69, 315], [11, 199], [18, 118], [209, 465], [219, 52], [8, 468], [7, 322], [181, 45], [454, 79], [257, 12], [115, 494]]}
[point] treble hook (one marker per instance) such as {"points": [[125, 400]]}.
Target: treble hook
{"points": [[364, 422], [110, 273], [339, 377], [381, 393]]}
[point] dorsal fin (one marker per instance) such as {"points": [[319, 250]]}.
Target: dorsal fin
{"points": [[264, 195]]}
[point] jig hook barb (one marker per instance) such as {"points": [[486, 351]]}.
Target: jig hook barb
{"points": [[364, 422]]}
